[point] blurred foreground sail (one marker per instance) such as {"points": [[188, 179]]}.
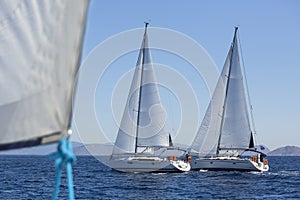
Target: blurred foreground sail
{"points": [[41, 43]]}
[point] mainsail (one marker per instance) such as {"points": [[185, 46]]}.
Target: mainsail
{"points": [[144, 119], [226, 124], [41, 43]]}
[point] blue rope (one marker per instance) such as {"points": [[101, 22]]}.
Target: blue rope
{"points": [[64, 158]]}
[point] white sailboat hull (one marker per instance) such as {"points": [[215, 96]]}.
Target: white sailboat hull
{"points": [[228, 164], [148, 164]]}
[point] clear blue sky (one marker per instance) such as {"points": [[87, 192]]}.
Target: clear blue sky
{"points": [[270, 39]]}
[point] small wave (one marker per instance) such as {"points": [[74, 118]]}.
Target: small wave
{"points": [[256, 173], [289, 173], [279, 173], [203, 170], [159, 174]]}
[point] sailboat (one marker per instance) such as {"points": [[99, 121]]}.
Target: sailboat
{"points": [[41, 44], [143, 143], [227, 129]]}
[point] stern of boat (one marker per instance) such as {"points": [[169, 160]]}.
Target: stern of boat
{"points": [[260, 163]]}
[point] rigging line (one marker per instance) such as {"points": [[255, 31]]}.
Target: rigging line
{"points": [[247, 89], [172, 115], [226, 93], [140, 89], [245, 93]]}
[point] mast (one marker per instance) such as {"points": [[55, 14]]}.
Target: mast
{"points": [[226, 92], [140, 89]]}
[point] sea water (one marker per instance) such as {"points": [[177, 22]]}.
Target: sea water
{"points": [[32, 177]]}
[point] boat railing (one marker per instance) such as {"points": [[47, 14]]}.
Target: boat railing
{"points": [[163, 149], [245, 150]]}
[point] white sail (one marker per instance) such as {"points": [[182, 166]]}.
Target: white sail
{"points": [[144, 119], [236, 131], [206, 139], [40, 50], [226, 123], [126, 138]]}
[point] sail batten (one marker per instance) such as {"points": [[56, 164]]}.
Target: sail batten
{"points": [[41, 44]]}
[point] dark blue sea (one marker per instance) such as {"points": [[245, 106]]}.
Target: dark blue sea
{"points": [[32, 177]]}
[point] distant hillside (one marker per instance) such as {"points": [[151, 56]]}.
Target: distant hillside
{"points": [[94, 149], [38, 150], [285, 151], [106, 149], [262, 148], [78, 148]]}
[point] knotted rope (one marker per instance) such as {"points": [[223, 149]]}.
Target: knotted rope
{"points": [[64, 158]]}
